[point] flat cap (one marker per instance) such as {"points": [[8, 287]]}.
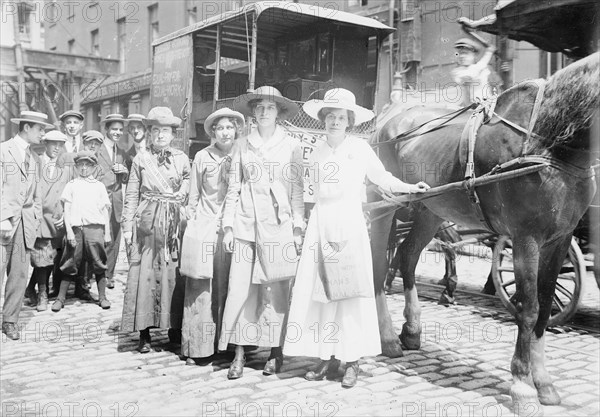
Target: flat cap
{"points": [[73, 113], [92, 135], [55, 135], [86, 156]]}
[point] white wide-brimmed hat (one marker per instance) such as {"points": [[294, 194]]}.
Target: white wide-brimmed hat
{"points": [[288, 108], [339, 98], [224, 112], [33, 117]]}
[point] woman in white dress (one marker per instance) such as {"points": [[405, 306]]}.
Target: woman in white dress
{"points": [[345, 327]]}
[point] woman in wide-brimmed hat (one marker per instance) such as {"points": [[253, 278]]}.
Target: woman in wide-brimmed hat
{"points": [[158, 186], [337, 246], [264, 205], [205, 296]]}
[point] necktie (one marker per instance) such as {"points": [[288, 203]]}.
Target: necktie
{"points": [[74, 144], [27, 158]]}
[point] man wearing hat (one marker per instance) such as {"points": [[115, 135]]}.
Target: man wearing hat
{"points": [[72, 123], [20, 211], [472, 75], [53, 179], [137, 130], [113, 162]]}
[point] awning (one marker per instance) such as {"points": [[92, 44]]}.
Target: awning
{"points": [[275, 19], [568, 26]]}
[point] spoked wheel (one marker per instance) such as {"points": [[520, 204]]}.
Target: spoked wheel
{"points": [[568, 283]]}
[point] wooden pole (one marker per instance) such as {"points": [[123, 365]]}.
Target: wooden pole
{"points": [[253, 52], [217, 67], [19, 63]]}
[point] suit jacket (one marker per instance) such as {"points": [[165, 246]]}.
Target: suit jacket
{"points": [[20, 198], [51, 187], [112, 182]]}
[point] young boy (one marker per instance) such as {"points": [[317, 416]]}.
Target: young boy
{"points": [[86, 218], [470, 74]]}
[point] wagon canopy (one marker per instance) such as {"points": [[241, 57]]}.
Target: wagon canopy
{"points": [[276, 19], [568, 26]]}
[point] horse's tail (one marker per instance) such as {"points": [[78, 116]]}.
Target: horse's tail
{"points": [[571, 99]]}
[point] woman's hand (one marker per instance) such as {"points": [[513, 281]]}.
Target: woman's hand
{"points": [[228, 240], [298, 240], [419, 187], [127, 236], [107, 238]]}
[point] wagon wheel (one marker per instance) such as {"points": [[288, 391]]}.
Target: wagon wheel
{"points": [[568, 283]]}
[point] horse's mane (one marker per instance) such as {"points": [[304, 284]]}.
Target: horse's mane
{"points": [[571, 99]]}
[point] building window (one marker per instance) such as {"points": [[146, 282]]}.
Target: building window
{"points": [[24, 11], [153, 21], [364, 2], [121, 43], [95, 45], [71, 46]]}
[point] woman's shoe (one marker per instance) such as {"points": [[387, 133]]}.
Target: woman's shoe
{"points": [[236, 369], [190, 362], [58, 305], [104, 304], [145, 342], [351, 375], [273, 365], [328, 367]]}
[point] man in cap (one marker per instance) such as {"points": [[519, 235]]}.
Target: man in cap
{"points": [[20, 211], [470, 74], [72, 122], [48, 243], [137, 130], [113, 162]]}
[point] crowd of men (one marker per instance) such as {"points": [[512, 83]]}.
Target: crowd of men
{"points": [[32, 223]]}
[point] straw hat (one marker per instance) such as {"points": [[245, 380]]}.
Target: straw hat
{"points": [[115, 117], [162, 116], [224, 112], [135, 117], [73, 113], [55, 136], [33, 117], [288, 108], [339, 98]]}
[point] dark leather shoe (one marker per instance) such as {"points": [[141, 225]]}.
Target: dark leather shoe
{"points": [[236, 369], [273, 366], [145, 342], [327, 368], [11, 331], [85, 295], [350, 376], [31, 296]]}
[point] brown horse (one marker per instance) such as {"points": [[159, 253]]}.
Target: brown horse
{"points": [[538, 211]]}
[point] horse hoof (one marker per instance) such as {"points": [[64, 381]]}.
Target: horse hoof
{"points": [[391, 349], [411, 337], [525, 400], [548, 395]]}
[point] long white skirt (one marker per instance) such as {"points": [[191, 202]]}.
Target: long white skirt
{"points": [[348, 329]]}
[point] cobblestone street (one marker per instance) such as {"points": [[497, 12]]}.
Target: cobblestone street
{"points": [[77, 363]]}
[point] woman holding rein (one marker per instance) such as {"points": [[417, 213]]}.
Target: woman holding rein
{"points": [[333, 308]]}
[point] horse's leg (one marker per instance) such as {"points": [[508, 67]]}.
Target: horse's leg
{"points": [[393, 268], [450, 278], [526, 259], [551, 261], [425, 224], [390, 345]]}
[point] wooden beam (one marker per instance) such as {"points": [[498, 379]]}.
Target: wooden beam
{"points": [[253, 52], [217, 67]]}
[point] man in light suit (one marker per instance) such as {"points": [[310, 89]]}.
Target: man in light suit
{"points": [[21, 212], [72, 123], [114, 163]]}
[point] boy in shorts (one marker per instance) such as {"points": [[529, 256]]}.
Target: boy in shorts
{"points": [[86, 218]]}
